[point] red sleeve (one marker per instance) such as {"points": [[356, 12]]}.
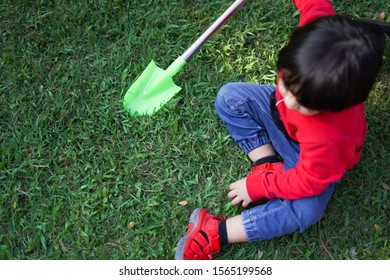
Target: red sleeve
{"points": [[312, 9], [319, 165]]}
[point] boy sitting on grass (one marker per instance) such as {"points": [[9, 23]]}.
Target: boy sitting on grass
{"points": [[314, 120]]}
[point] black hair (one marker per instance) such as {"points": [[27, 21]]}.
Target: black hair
{"points": [[331, 63]]}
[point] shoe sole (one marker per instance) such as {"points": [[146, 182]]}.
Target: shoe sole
{"points": [[194, 219]]}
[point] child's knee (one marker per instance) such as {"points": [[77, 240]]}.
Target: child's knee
{"points": [[309, 216], [310, 211], [310, 219], [223, 93], [230, 97]]}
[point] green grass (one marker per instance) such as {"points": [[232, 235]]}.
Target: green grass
{"points": [[81, 179]]}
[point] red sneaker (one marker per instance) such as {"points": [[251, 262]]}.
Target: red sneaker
{"points": [[277, 167], [201, 239]]}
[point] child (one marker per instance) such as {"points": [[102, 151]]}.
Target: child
{"points": [[314, 120]]}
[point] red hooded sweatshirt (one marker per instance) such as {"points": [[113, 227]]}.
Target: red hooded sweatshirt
{"points": [[330, 142]]}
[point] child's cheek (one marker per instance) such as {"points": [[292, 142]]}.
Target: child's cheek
{"points": [[291, 103]]}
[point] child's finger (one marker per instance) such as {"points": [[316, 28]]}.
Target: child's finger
{"points": [[237, 200], [245, 204], [232, 194]]}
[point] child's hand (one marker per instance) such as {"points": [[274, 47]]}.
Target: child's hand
{"points": [[238, 193]]}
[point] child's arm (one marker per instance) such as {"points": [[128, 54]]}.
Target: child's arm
{"points": [[312, 9], [319, 165]]}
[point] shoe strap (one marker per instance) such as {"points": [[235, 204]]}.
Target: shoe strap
{"points": [[267, 167]]}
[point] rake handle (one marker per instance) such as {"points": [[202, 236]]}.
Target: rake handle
{"points": [[211, 30]]}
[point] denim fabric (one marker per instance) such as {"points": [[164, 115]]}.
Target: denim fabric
{"points": [[244, 108]]}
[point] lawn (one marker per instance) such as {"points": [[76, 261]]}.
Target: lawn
{"points": [[82, 179]]}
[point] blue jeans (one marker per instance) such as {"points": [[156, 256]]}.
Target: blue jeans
{"points": [[245, 110]]}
